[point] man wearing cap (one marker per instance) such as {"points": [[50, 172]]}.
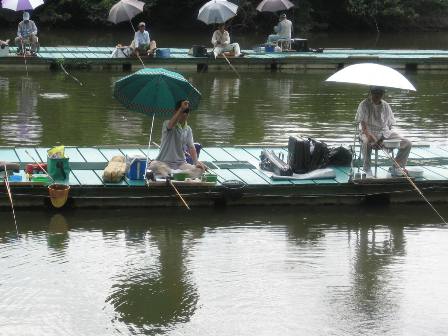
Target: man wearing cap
{"points": [[26, 34], [376, 119], [176, 136], [282, 30], [142, 44]]}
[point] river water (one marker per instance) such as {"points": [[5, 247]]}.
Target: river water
{"points": [[243, 271]]}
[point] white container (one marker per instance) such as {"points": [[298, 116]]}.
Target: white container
{"points": [[391, 143], [415, 172], [4, 51]]}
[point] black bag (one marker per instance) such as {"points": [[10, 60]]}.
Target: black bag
{"points": [[305, 155], [319, 154], [299, 157], [272, 163], [339, 156], [199, 51]]}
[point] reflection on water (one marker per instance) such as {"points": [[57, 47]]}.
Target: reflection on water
{"points": [[258, 108], [242, 272], [24, 126]]}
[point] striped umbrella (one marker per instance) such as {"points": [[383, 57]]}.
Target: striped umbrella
{"points": [[21, 5], [155, 91]]}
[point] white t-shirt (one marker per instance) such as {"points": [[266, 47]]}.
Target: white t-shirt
{"points": [[379, 118], [219, 38]]}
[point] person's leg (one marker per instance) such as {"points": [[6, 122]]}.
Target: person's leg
{"points": [[366, 153], [403, 151], [33, 42], [217, 51], [272, 38], [236, 49], [19, 43], [191, 170], [160, 168], [152, 47]]}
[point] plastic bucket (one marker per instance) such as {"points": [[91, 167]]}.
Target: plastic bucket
{"points": [[58, 194]]}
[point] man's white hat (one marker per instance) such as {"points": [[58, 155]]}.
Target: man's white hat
{"points": [[26, 16]]}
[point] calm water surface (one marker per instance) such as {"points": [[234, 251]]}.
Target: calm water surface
{"points": [[276, 271], [264, 271]]}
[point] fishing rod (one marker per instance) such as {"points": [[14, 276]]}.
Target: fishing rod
{"points": [[24, 56], [8, 188], [405, 174], [40, 166], [230, 65]]}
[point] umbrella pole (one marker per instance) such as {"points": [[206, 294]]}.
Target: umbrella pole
{"points": [[149, 144]]}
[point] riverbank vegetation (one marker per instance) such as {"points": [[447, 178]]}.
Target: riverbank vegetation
{"points": [[308, 15]]}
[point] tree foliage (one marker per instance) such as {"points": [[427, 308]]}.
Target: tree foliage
{"points": [[308, 14]]}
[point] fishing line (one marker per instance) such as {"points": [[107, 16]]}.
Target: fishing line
{"points": [[10, 199], [231, 66], [414, 185], [40, 166]]}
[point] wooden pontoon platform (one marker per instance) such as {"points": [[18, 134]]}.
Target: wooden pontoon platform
{"points": [[240, 181], [100, 57]]}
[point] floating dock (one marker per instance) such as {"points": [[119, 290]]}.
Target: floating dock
{"points": [[101, 58], [240, 181]]}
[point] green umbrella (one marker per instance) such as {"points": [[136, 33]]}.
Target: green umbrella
{"points": [[155, 92]]}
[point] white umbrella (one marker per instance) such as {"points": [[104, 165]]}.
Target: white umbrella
{"points": [[125, 10], [217, 11], [21, 5], [372, 74], [274, 5]]}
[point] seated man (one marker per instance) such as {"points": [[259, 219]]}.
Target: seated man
{"points": [[142, 44], [175, 135], [375, 118], [26, 34], [221, 43], [282, 30], [4, 43]]}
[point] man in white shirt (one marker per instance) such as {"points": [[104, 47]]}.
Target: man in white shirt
{"points": [[376, 119], [142, 44], [26, 34], [282, 30], [221, 43]]}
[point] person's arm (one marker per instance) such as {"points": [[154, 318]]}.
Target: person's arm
{"points": [[277, 28], [214, 39], [33, 25], [370, 137], [226, 38], [175, 119], [19, 31], [147, 39]]}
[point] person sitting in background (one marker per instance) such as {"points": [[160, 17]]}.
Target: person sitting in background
{"points": [[142, 44], [26, 34], [176, 134], [376, 119], [221, 43], [282, 30], [4, 43]]}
